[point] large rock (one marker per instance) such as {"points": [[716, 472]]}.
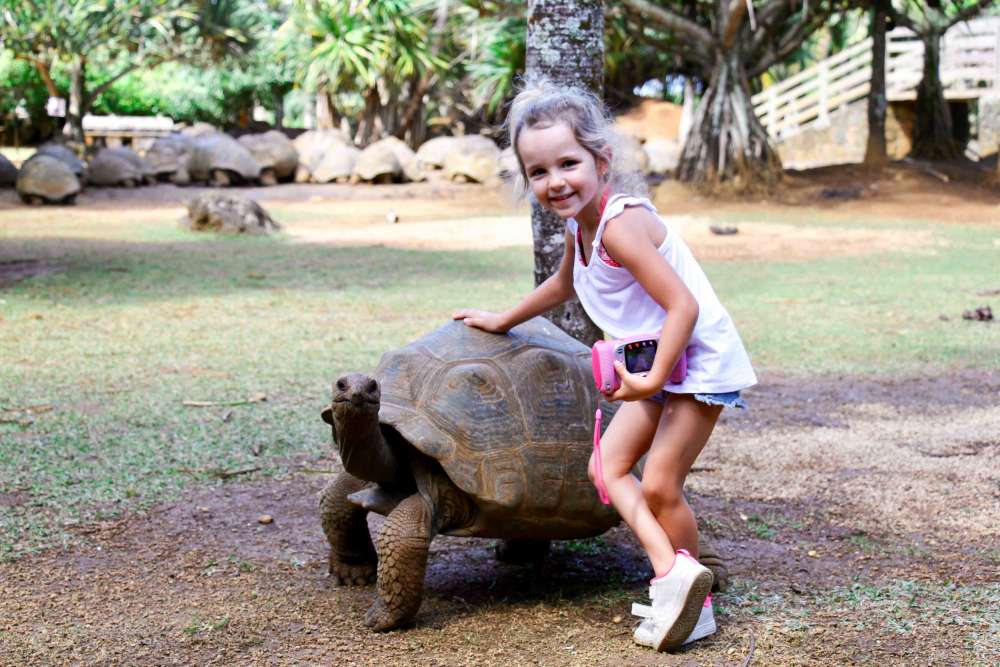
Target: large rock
{"points": [[663, 155], [221, 160], [45, 179], [110, 169], [227, 213], [275, 153], [8, 172]]}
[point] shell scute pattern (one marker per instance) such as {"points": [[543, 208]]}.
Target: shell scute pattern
{"points": [[508, 417]]}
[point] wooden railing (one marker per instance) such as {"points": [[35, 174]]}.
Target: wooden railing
{"points": [[970, 68]]}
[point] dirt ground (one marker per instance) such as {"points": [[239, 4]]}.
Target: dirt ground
{"points": [[838, 502]]}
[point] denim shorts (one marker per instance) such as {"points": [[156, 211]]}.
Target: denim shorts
{"points": [[729, 399]]}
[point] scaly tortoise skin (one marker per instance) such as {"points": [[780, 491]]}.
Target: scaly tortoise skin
{"points": [[463, 433]]}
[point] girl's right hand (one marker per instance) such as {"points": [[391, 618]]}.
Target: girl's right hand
{"points": [[480, 319]]}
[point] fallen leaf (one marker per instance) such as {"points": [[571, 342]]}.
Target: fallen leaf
{"points": [[256, 398]]}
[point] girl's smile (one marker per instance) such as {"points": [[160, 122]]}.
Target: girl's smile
{"points": [[563, 175]]}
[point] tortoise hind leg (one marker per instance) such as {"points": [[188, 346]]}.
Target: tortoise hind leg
{"points": [[402, 561], [710, 557], [520, 552], [352, 555]]}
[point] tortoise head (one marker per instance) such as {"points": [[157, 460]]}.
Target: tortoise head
{"points": [[355, 396], [354, 416]]}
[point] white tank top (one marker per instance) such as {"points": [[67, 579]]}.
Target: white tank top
{"points": [[618, 304]]}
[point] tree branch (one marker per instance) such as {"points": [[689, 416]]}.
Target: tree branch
{"points": [[667, 19], [685, 51], [43, 71], [787, 45], [737, 12], [969, 12], [96, 92], [902, 19]]}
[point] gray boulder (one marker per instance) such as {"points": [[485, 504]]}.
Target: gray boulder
{"points": [[227, 213], [663, 155], [48, 180]]}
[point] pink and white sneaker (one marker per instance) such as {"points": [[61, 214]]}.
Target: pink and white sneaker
{"points": [[678, 606], [645, 633]]}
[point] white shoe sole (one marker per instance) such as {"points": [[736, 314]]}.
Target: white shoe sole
{"points": [[674, 634], [705, 626]]}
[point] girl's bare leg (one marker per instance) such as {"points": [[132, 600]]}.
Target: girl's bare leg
{"points": [[684, 427], [627, 438]]}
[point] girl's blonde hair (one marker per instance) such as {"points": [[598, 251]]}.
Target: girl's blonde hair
{"points": [[541, 104]]}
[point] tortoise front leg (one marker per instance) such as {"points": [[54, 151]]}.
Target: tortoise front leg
{"points": [[352, 555], [402, 561]]}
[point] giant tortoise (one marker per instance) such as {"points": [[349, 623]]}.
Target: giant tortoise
{"points": [[467, 433]]}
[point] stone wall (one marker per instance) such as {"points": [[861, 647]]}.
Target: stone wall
{"points": [[843, 139]]}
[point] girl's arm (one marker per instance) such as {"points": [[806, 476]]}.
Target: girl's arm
{"points": [[633, 240], [556, 289]]}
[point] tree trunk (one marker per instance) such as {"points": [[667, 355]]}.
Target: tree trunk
{"points": [[278, 95], [566, 45], [367, 126], [727, 141], [933, 137], [324, 110], [875, 151], [73, 129]]}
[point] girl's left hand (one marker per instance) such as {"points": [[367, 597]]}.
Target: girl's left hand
{"points": [[634, 387]]}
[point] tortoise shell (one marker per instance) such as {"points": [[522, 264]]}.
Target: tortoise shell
{"points": [[509, 417]]}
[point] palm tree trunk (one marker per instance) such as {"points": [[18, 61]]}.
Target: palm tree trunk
{"points": [[566, 45], [875, 151], [73, 129], [727, 141], [933, 134]]}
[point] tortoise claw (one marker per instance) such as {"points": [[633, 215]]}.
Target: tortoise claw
{"points": [[380, 618], [344, 574]]}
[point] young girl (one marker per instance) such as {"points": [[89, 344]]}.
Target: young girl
{"points": [[633, 274]]}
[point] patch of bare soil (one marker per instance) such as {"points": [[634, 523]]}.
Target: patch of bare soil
{"points": [[14, 270], [960, 192], [809, 494]]}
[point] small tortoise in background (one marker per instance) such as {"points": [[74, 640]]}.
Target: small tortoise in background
{"points": [[463, 433]]}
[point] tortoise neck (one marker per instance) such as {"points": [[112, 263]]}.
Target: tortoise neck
{"points": [[364, 450]]}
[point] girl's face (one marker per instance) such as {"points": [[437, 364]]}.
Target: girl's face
{"points": [[563, 175]]}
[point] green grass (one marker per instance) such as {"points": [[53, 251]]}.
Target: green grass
{"points": [[147, 316]]}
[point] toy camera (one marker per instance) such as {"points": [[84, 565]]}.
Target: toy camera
{"points": [[636, 352]]}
